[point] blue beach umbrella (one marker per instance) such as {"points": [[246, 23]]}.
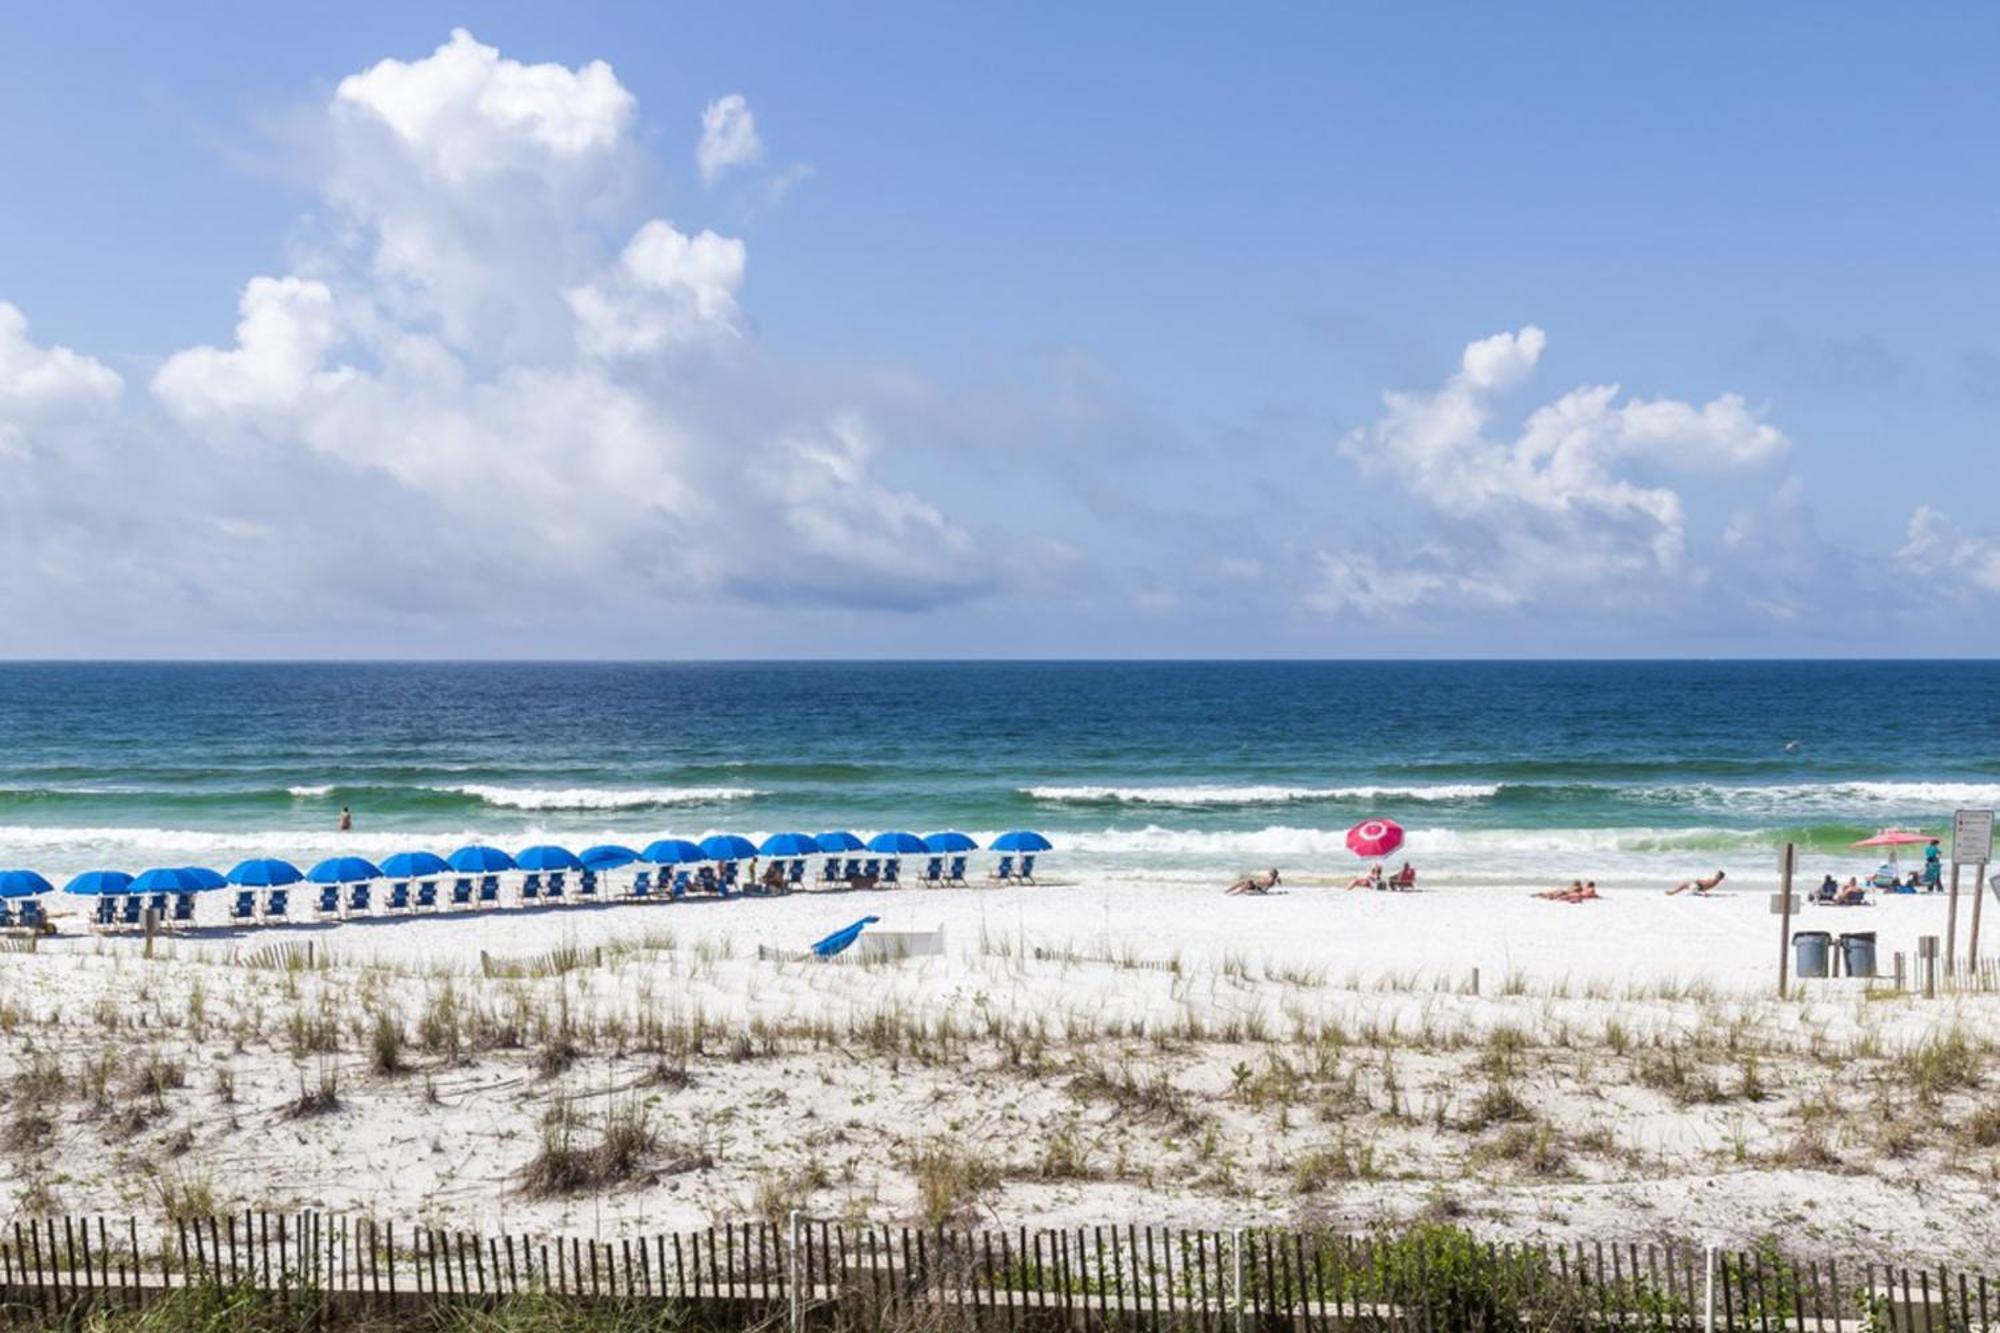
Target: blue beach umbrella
{"points": [[547, 856], [264, 872], [1021, 840], [949, 844], [94, 883], [727, 847], [167, 879], [789, 844], [344, 870], [23, 884], [477, 860], [210, 879], [840, 840], [414, 865], [896, 843], [606, 856], [671, 851]]}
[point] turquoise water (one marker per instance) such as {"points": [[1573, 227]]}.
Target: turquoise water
{"points": [[1501, 771]]}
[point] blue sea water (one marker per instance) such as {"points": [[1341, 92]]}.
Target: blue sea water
{"points": [[1502, 772]]}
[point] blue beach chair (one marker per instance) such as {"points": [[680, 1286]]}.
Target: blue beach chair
{"points": [[329, 901], [157, 905], [183, 909], [245, 906], [853, 870], [131, 912], [359, 899], [933, 875], [278, 905], [489, 891], [956, 875], [1004, 872], [6, 915], [461, 893], [555, 885], [106, 915], [725, 879], [682, 882], [892, 873], [586, 884], [831, 874], [531, 887], [797, 878], [1027, 873], [642, 884], [427, 895], [32, 917], [399, 896]]}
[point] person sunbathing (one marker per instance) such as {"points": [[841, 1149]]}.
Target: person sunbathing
{"points": [[1405, 879], [1828, 891], [1700, 886], [1579, 891], [1262, 883], [1371, 880], [1852, 893]]}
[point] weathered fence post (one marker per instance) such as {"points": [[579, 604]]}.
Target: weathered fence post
{"points": [[798, 1307], [1236, 1278], [1708, 1290]]}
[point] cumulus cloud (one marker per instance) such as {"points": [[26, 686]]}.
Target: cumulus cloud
{"points": [[1937, 549], [667, 287], [728, 137], [35, 381], [1571, 503], [286, 328]]}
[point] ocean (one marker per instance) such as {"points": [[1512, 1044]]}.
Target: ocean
{"points": [[1503, 772]]}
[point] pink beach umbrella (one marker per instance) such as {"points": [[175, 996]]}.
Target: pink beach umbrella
{"points": [[1892, 838], [1374, 838]]}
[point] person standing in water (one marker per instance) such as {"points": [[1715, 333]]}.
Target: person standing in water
{"points": [[346, 820]]}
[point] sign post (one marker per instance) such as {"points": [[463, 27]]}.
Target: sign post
{"points": [[1783, 904], [1971, 844]]}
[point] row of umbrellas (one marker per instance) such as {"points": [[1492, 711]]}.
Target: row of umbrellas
{"points": [[477, 859]]}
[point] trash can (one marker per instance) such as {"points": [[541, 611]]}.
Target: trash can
{"points": [[1811, 951], [1858, 952]]}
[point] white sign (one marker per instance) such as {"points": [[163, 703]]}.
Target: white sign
{"points": [[1972, 837], [1784, 904]]}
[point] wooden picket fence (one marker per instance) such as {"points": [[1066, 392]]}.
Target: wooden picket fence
{"points": [[823, 1274]]}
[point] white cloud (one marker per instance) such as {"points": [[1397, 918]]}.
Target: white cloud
{"points": [[38, 380], [287, 327], [1570, 504], [728, 137], [666, 288], [1937, 549]]}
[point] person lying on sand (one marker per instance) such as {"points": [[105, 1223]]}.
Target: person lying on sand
{"points": [[1577, 892], [1700, 886], [1371, 880], [1261, 883]]}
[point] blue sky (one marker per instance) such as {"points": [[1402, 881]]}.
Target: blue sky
{"points": [[1025, 330]]}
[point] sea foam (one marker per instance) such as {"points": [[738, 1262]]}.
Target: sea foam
{"points": [[1219, 794], [597, 798]]}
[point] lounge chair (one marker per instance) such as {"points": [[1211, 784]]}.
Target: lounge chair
{"points": [[277, 904], [682, 880], [726, 879], [586, 884], [892, 870], [1004, 872], [245, 906], [461, 893], [399, 896], [933, 874], [183, 909], [489, 891], [32, 917], [831, 873], [642, 884], [555, 885], [359, 900], [872, 868], [157, 904], [956, 875], [106, 915], [6, 915], [1027, 872], [329, 901], [132, 911], [853, 870], [427, 895], [704, 879], [531, 887], [796, 879]]}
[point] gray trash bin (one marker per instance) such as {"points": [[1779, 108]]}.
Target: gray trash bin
{"points": [[1811, 952], [1858, 953]]}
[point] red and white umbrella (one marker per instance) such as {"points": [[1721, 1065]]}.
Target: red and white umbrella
{"points": [[1374, 837]]}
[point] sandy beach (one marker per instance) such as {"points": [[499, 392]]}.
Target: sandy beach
{"points": [[1092, 1049]]}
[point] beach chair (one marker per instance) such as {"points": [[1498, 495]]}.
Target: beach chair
{"points": [[244, 908], [555, 885], [359, 899], [797, 878], [157, 905], [6, 915], [872, 868], [831, 873], [933, 873], [399, 896], [427, 895], [461, 893], [705, 880], [725, 879], [183, 909], [131, 913], [329, 901], [32, 917], [642, 884], [681, 882], [489, 891], [1004, 872], [956, 875], [853, 870], [892, 871], [586, 884], [1026, 874], [106, 915], [277, 905], [531, 887]]}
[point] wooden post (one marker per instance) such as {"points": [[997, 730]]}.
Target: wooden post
{"points": [[1978, 901], [1927, 963], [1951, 925], [1787, 861], [1900, 985]]}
